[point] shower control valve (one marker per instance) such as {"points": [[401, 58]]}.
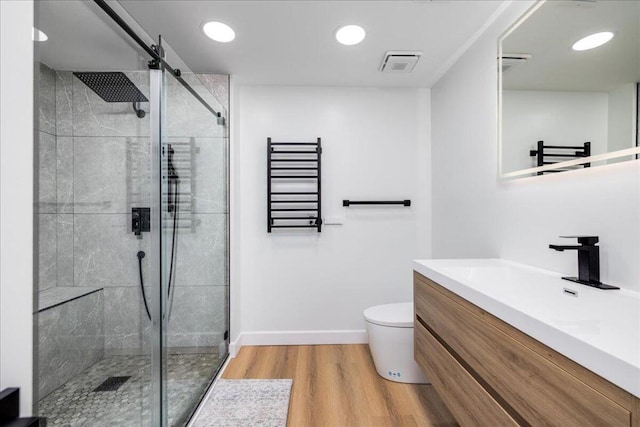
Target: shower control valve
{"points": [[140, 220]]}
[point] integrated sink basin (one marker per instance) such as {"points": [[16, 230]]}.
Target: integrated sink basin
{"points": [[598, 329]]}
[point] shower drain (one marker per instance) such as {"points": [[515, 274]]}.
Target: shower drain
{"points": [[112, 384]]}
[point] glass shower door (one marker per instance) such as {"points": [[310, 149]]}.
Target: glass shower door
{"points": [[131, 208], [194, 254], [93, 349]]}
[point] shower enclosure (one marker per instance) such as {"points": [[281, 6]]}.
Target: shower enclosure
{"points": [[131, 239]]}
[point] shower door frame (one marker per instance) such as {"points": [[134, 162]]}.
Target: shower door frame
{"points": [[159, 409]]}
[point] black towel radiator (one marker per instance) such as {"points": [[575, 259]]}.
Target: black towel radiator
{"points": [[544, 152], [294, 185]]}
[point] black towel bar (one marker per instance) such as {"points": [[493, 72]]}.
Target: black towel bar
{"points": [[292, 193], [293, 152], [294, 201], [294, 160], [295, 143], [380, 202], [293, 177], [293, 218], [293, 169], [295, 226]]}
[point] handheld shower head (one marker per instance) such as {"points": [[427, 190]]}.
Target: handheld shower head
{"points": [[171, 170], [173, 180]]}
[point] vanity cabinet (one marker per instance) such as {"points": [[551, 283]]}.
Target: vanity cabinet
{"points": [[491, 374]]}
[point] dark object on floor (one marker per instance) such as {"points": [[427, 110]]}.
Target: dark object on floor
{"points": [[10, 411], [112, 384]]}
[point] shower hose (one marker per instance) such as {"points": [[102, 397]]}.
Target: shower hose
{"points": [[172, 207]]}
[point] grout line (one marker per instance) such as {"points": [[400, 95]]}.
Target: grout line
{"points": [[45, 132]]}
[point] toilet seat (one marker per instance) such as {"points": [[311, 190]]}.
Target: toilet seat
{"points": [[391, 315]]}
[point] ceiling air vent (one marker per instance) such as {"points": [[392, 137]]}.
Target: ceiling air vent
{"points": [[399, 61], [510, 60]]}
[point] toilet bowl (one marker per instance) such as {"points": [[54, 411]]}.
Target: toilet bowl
{"points": [[390, 330]]}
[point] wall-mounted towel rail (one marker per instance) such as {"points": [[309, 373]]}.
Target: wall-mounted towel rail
{"points": [[379, 202], [292, 168], [542, 154]]}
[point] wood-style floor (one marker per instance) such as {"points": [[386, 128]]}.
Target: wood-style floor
{"points": [[337, 385]]}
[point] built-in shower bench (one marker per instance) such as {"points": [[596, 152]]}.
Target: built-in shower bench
{"points": [[53, 297], [71, 333]]}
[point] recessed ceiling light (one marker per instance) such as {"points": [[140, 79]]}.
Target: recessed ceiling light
{"points": [[350, 34], [219, 32], [38, 36], [592, 41]]}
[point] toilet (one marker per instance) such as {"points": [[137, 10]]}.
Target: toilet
{"points": [[390, 330]]}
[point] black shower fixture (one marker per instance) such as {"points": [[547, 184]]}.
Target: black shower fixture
{"points": [[140, 220], [114, 86]]}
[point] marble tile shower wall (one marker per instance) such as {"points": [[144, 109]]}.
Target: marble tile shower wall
{"points": [[94, 167], [47, 180]]}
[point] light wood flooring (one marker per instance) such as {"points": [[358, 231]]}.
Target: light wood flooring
{"points": [[337, 385]]}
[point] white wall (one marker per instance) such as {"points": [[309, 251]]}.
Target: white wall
{"points": [[622, 117], [16, 198], [555, 117], [476, 215], [375, 146]]}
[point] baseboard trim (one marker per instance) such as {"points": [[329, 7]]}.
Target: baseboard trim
{"points": [[344, 336], [235, 346]]}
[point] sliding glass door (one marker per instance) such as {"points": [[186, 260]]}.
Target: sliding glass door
{"points": [[131, 214], [194, 255]]}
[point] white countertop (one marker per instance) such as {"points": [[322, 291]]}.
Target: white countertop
{"points": [[599, 329]]}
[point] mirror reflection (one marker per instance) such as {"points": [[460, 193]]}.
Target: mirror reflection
{"points": [[569, 73]]}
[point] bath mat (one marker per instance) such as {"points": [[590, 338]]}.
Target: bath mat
{"points": [[243, 403]]}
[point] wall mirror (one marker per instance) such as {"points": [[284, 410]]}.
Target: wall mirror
{"points": [[568, 87]]}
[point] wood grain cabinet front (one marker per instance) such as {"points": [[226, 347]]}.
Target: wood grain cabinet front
{"points": [[530, 382], [465, 397]]}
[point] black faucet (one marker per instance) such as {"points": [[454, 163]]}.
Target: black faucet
{"points": [[588, 261]]}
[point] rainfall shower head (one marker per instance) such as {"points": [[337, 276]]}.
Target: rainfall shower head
{"points": [[113, 86]]}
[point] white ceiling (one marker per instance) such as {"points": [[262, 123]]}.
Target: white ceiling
{"points": [[551, 30], [83, 38], [292, 42]]}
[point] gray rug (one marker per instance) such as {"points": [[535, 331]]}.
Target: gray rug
{"points": [[242, 403]]}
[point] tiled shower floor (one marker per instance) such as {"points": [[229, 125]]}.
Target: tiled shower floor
{"points": [[76, 404]]}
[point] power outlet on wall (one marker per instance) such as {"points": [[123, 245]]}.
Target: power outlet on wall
{"points": [[333, 220]]}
